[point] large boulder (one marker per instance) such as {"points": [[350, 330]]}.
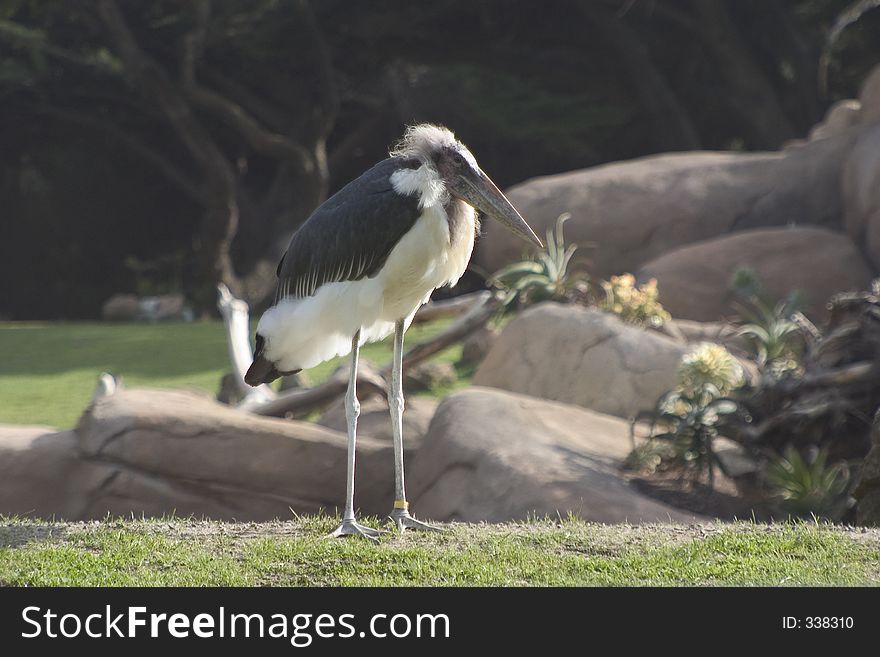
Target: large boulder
{"points": [[42, 473], [695, 281], [496, 456], [475, 347], [582, 356], [627, 213], [184, 453], [161, 452], [429, 375], [861, 191]]}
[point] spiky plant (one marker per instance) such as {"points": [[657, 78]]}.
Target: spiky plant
{"points": [[546, 277], [769, 328], [773, 338], [809, 486]]}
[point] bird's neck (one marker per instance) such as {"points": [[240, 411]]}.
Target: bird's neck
{"points": [[462, 220]]}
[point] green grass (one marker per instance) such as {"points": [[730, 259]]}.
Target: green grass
{"points": [[172, 552], [48, 370]]}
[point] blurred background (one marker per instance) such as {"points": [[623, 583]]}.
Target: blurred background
{"points": [[156, 147]]}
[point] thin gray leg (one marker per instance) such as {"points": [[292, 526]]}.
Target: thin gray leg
{"points": [[350, 526], [400, 514], [396, 404]]}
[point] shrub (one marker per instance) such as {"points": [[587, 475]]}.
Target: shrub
{"points": [[810, 486], [688, 417], [632, 303], [769, 328]]}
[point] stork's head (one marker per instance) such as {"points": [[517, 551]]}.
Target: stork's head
{"points": [[457, 170]]}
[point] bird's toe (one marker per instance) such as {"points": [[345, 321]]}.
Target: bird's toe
{"points": [[403, 521], [354, 528]]}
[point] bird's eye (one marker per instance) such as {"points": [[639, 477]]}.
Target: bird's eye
{"points": [[458, 159]]}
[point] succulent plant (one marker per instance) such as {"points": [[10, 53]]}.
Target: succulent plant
{"points": [[543, 278]]}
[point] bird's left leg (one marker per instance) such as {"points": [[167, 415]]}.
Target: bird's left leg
{"points": [[350, 526], [400, 514]]}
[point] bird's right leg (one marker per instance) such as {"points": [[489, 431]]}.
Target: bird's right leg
{"points": [[400, 514], [350, 526]]}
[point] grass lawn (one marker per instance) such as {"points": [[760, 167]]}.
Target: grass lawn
{"points": [[48, 370], [569, 553]]}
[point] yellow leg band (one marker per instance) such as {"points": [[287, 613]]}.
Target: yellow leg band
{"points": [[401, 504]]}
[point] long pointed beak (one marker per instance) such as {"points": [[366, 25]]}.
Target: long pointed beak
{"points": [[483, 194]]}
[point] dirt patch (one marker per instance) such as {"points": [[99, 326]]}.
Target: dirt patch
{"points": [[16, 535], [562, 536]]}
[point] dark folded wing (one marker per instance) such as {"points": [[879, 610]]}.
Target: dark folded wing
{"points": [[350, 235]]}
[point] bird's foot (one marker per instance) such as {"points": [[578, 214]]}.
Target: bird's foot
{"points": [[351, 527], [403, 520]]}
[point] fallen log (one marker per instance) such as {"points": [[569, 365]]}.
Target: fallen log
{"points": [[476, 317], [236, 318], [450, 307], [303, 401]]}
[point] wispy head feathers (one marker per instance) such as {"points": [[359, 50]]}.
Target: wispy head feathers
{"points": [[424, 139], [431, 145]]}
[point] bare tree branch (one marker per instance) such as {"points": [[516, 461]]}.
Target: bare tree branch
{"points": [[475, 318], [326, 85], [260, 139], [142, 67], [453, 307], [369, 384], [844, 19], [753, 97], [673, 128], [172, 173], [22, 37], [220, 223], [275, 118], [354, 140], [236, 316]]}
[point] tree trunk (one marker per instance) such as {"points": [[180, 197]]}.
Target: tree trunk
{"points": [[673, 129], [752, 96], [301, 179]]}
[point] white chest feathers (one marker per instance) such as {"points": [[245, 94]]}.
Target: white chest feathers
{"points": [[435, 252]]}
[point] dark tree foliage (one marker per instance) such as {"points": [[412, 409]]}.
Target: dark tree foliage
{"points": [[166, 145]]}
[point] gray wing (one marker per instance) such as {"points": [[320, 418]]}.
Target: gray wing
{"points": [[350, 235]]}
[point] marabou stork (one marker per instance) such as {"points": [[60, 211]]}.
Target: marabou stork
{"points": [[361, 265]]}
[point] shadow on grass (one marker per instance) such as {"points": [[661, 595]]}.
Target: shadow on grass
{"points": [[15, 535]]}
